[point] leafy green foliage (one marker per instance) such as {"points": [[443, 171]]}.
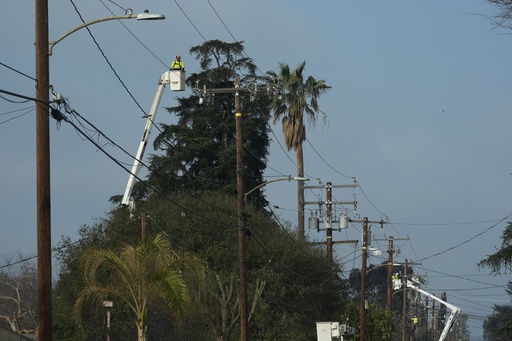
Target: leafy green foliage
{"points": [[298, 102], [198, 153], [498, 325], [137, 276], [190, 198], [501, 259], [300, 287]]}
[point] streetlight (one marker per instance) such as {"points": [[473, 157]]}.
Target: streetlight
{"points": [[141, 16], [289, 178], [43, 48]]}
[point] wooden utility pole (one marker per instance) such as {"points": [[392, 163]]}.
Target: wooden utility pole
{"points": [[44, 254], [404, 315], [434, 319], [426, 317], [391, 251], [242, 255], [362, 315], [143, 225], [328, 223], [390, 273], [328, 228], [300, 206]]}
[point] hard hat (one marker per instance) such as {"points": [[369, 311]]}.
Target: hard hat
{"points": [[178, 57]]}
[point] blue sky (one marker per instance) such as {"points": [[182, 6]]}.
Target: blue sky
{"points": [[419, 112]]}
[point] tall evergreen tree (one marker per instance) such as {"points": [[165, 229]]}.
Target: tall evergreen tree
{"points": [[501, 260], [198, 153], [498, 325]]}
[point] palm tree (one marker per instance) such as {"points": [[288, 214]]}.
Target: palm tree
{"points": [[298, 100], [137, 276]]}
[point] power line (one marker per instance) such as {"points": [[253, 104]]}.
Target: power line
{"points": [[107, 60], [188, 18], [17, 71], [327, 163], [466, 279], [28, 111], [468, 240], [59, 116], [22, 96], [132, 34]]}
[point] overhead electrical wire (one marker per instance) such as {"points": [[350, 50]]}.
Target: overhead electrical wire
{"points": [[22, 96], [232, 36], [272, 131], [362, 189], [59, 117], [466, 279], [54, 249], [189, 210], [133, 35], [107, 60], [17, 71], [27, 111], [100, 133], [110, 65], [468, 240]]}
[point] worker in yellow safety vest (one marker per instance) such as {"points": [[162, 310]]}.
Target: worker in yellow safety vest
{"points": [[177, 64]]}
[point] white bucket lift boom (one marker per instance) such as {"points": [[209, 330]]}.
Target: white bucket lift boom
{"points": [[398, 283], [176, 78]]}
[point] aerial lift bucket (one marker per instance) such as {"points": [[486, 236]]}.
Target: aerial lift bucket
{"points": [[177, 80]]}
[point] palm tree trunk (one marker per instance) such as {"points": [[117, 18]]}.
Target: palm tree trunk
{"points": [[141, 332], [300, 193]]}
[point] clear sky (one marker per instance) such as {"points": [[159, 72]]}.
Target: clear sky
{"points": [[419, 112]]}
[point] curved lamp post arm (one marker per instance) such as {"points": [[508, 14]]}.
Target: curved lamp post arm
{"points": [[382, 265], [289, 178], [143, 16]]}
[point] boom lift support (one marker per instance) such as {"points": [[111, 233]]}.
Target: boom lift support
{"points": [[176, 78], [398, 283]]}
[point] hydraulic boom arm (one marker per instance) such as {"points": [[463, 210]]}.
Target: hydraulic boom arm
{"points": [[127, 197], [454, 310]]}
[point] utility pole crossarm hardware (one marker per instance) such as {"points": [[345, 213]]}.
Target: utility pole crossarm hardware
{"points": [[253, 90], [353, 202], [332, 186]]}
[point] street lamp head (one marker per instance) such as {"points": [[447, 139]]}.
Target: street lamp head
{"points": [[150, 16], [299, 178]]}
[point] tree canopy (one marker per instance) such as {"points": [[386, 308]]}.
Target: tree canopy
{"points": [[190, 198], [501, 260], [197, 153], [138, 275], [296, 104], [503, 17], [290, 285]]}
